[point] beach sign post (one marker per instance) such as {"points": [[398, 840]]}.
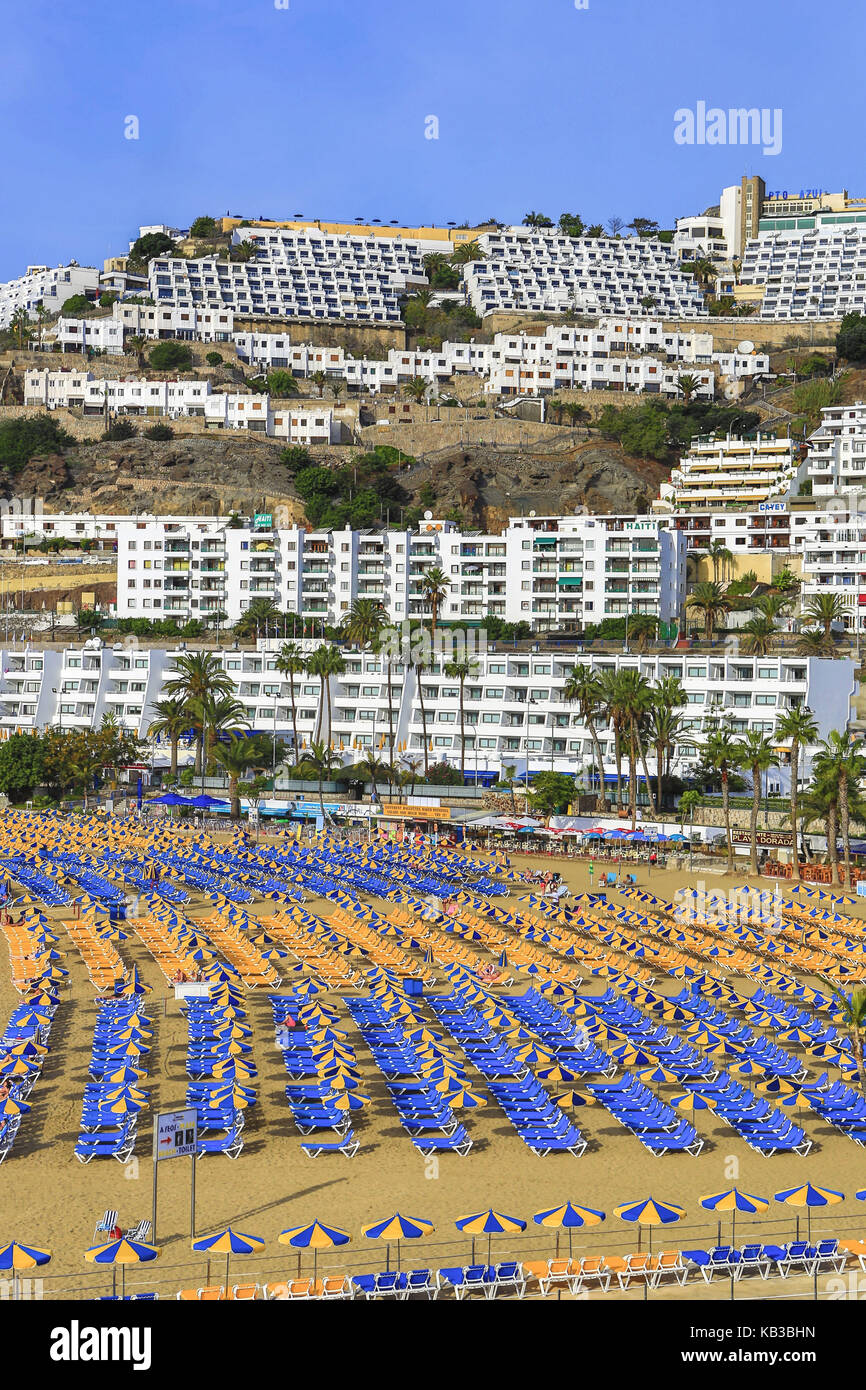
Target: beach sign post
{"points": [[175, 1135]]}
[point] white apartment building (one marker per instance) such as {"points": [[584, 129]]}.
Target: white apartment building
{"points": [[98, 334], [809, 274], [514, 710], [48, 287], [718, 472], [837, 450], [833, 549], [703, 237], [304, 274], [302, 423], [529, 269], [206, 325]]}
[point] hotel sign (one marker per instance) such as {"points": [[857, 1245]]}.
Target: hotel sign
{"points": [[398, 810]]}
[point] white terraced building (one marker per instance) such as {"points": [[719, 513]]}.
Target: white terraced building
{"points": [[809, 274], [515, 712], [301, 423], [205, 325], [42, 285], [305, 274], [101, 334], [837, 450], [528, 269], [732, 471]]}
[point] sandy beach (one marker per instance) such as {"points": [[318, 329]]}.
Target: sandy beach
{"points": [[49, 1199]]}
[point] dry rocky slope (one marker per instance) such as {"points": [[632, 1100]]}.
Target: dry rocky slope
{"points": [[207, 475]]}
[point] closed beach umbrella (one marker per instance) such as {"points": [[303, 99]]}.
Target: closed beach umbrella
{"points": [[228, 1243], [397, 1228], [649, 1212], [121, 1252]]}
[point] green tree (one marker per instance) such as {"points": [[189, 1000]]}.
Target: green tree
{"points": [[30, 437], [416, 389], [326, 662], [434, 591], [321, 759], [536, 219], [462, 671], [162, 433], [759, 634], [825, 609], [255, 620], [364, 622], [21, 766], [851, 338], [663, 725], [688, 385], [198, 677], [320, 380], [467, 251], [840, 762], [372, 769], [214, 359], [551, 793], [236, 756], [169, 356], [281, 384], [151, 245], [204, 228]]}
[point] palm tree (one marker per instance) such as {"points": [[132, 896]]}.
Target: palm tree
{"points": [[663, 725], [467, 251], [642, 629], [758, 755], [256, 619], [536, 219], [365, 621], [798, 725], [20, 325], [138, 344], [853, 1010], [434, 591], [820, 804], [320, 379], [420, 665], [584, 689], [711, 600], [372, 768], [613, 714], [322, 760], [459, 671], [172, 721], [235, 757], [839, 760], [291, 662], [688, 384], [759, 636], [825, 609], [198, 676], [508, 778], [812, 642], [416, 389], [576, 413], [337, 387], [628, 697], [325, 662], [42, 317], [721, 558], [412, 767], [722, 752], [214, 715]]}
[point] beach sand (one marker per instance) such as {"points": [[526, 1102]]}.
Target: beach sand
{"points": [[49, 1199]]}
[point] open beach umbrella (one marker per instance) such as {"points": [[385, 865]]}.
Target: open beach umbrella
{"points": [[314, 1237], [571, 1099], [228, 1243], [397, 1228], [121, 1252], [568, 1217], [16, 1257], [649, 1213], [733, 1201], [692, 1100], [465, 1099], [8, 1106], [809, 1197], [489, 1223]]}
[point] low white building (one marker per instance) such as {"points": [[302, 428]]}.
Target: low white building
{"points": [[98, 334]]}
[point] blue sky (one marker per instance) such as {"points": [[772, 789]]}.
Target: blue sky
{"points": [[320, 108]]}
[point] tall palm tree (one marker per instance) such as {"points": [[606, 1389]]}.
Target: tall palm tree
{"points": [[642, 628], [627, 698], [371, 769], [467, 251], [758, 755], [813, 642], [839, 760], [460, 671], [584, 689], [213, 715], [663, 724], [326, 661], [616, 719], [853, 1010], [820, 805], [364, 621], [236, 756], [20, 325], [173, 719], [798, 725], [198, 676], [711, 600], [322, 760], [721, 558], [416, 389], [291, 662], [722, 752], [825, 609], [434, 591]]}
